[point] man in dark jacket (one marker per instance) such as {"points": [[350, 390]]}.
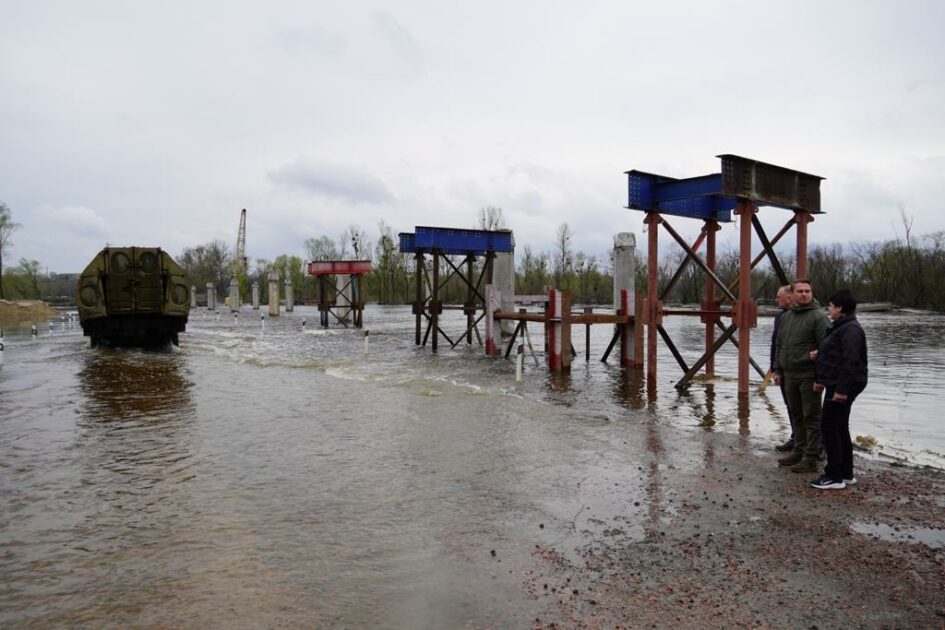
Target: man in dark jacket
{"points": [[801, 331], [784, 300], [841, 368]]}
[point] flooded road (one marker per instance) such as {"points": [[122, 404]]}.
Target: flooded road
{"points": [[284, 476]]}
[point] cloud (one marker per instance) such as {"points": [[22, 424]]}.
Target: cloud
{"points": [[333, 180], [76, 220], [310, 39], [401, 43]]}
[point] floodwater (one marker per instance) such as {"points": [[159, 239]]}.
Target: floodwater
{"points": [[289, 476]]}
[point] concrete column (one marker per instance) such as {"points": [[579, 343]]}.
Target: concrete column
{"points": [[289, 296], [504, 281], [493, 334], [273, 294], [625, 245], [234, 294], [211, 296], [193, 296], [255, 295]]}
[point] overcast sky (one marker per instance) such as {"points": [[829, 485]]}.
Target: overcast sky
{"points": [[155, 123]]}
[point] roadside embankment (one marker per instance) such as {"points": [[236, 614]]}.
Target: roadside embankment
{"points": [[25, 311]]}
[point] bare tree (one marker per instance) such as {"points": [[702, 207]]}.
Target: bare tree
{"points": [[7, 227], [490, 218], [906, 223], [357, 238], [321, 248], [562, 262]]}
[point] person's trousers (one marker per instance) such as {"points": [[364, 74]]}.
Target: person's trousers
{"points": [[804, 405], [788, 407], [835, 426]]}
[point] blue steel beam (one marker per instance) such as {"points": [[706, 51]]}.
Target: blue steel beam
{"points": [[695, 197]]}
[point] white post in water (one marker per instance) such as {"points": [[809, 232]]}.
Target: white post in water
{"points": [[255, 295], [273, 294], [236, 318], [624, 280], [33, 332], [289, 296], [366, 340], [234, 294], [303, 323], [519, 362], [262, 322], [193, 297], [503, 278], [1, 352], [211, 297]]}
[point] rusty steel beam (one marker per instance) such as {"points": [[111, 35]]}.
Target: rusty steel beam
{"points": [[754, 364], [710, 227], [697, 259], [743, 308], [653, 310], [759, 257], [705, 357], [672, 348], [802, 218], [682, 266], [768, 249]]}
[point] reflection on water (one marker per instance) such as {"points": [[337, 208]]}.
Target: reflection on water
{"points": [[135, 386]]}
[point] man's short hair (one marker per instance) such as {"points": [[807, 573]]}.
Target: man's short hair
{"points": [[802, 281], [787, 288], [845, 300]]}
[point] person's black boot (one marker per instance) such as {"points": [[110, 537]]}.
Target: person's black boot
{"points": [[787, 446]]}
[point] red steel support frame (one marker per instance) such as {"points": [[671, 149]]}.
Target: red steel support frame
{"points": [[802, 218], [746, 310], [711, 227], [653, 310]]}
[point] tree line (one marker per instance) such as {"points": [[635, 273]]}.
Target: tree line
{"points": [[907, 271]]}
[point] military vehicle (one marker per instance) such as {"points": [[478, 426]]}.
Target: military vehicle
{"points": [[133, 296]]}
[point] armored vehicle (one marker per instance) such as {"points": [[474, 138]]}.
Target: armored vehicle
{"points": [[133, 296]]}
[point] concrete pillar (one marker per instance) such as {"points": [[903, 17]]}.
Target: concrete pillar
{"points": [[289, 296], [493, 334], [273, 294], [234, 294], [255, 295], [193, 296], [211, 296], [504, 281], [625, 270]]}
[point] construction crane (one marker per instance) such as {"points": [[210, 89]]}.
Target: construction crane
{"points": [[239, 263], [239, 260]]}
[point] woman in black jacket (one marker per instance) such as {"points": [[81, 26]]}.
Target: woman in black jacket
{"points": [[841, 369]]}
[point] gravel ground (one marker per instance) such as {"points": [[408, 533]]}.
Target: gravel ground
{"points": [[748, 544]]}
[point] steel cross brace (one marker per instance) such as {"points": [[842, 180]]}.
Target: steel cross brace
{"points": [[698, 260]]}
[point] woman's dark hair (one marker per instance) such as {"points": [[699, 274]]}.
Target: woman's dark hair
{"points": [[845, 300]]}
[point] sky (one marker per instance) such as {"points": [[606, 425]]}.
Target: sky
{"points": [[155, 123]]}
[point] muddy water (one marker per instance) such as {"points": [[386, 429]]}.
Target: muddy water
{"points": [[259, 477]]}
